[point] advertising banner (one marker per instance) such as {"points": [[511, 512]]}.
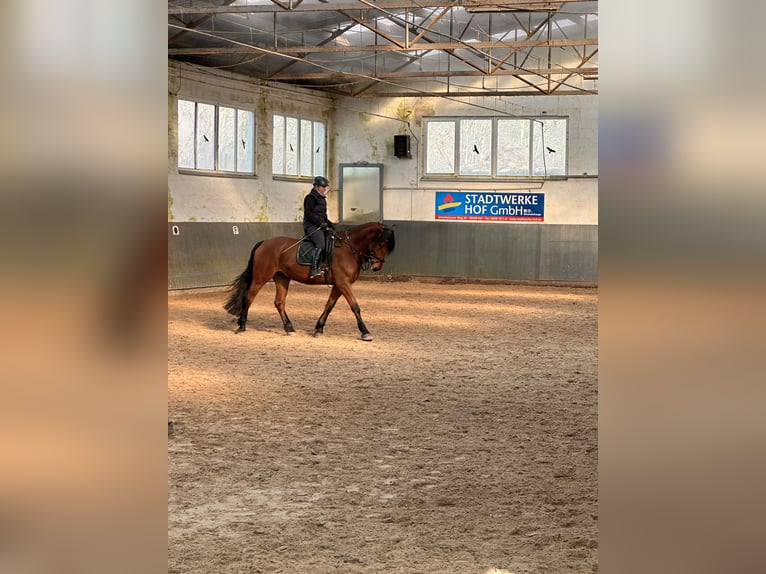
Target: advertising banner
{"points": [[492, 206]]}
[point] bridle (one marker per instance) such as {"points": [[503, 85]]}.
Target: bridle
{"points": [[371, 256], [366, 258]]}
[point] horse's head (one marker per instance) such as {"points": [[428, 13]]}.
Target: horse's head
{"points": [[382, 243], [371, 243]]}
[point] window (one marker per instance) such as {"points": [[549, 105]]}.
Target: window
{"points": [[496, 147], [440, 156], [215, 138], [299, 147]]}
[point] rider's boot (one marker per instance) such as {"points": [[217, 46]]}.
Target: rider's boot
{"points": [[315, 263]]}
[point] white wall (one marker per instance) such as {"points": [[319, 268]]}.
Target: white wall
{"points": [[363, 130], [221, 198], [369, 125]]}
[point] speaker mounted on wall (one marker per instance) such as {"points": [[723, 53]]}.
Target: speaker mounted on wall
{"points": [[402, 146]]}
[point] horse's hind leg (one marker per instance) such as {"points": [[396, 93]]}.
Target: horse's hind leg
{"points": [[331, 300], [282, 283], [248, 298]]}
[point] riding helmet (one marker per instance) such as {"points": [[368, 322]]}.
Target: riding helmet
{"points": [[319, 180]]}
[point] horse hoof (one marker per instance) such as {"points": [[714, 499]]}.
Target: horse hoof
{"points": [[240, 330], [366, 337]]}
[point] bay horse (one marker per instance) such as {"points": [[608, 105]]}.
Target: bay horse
{"points": [[364, 245]]}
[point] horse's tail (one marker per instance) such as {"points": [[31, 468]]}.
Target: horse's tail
{"points": [[239, 287]]}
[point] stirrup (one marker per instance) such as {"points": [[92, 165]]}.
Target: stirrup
{"points": [[315, 274]]}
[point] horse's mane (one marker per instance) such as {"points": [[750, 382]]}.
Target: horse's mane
{"points": [[387, 234], [382, 232]]}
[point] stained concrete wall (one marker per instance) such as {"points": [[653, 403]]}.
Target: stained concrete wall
{"points": [[194, 197], [209, 254], [204, 208]]}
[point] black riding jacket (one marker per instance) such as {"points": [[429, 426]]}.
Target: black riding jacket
{"points": [[315, 209]]}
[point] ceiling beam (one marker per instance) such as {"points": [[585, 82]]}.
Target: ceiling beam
{"points": [[523, 7], [289, 5], [284, 7], [373, 29], [194, 24], [584, 61], [330, 38], [490, 93], [514, 51], [591, 71], [433, 20], [305, 49]]}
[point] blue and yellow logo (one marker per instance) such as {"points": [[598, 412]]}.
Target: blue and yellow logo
{"points": [[448, 202]]}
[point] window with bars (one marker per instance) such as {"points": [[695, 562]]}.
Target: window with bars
{"points": [[215, 138], [299, 147], [496, 147]]}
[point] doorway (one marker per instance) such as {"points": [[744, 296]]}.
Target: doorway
{"points": [[361, 192]]}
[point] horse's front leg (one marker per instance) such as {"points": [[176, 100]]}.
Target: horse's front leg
{"points": [[348, 293], [331, 300]]}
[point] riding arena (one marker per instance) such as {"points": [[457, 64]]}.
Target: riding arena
{"points": [[462, 439]]}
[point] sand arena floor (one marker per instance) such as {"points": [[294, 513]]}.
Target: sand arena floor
{"points": [[462, 439]]}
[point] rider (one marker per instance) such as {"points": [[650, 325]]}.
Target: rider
{"points": [[315, 219]]}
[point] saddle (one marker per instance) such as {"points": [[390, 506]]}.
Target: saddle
{"points": [[306, 248]]}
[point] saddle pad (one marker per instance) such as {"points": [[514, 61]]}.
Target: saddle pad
{"points": [[305, 248]]}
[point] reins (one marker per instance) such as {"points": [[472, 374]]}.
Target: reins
{"points": [[367, 258]]}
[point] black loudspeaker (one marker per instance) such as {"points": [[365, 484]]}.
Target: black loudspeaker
{"points": [[402, 146]]}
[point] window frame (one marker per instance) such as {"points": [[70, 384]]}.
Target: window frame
{"points": [[493, 175], [299, 148], [216, 170]]}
